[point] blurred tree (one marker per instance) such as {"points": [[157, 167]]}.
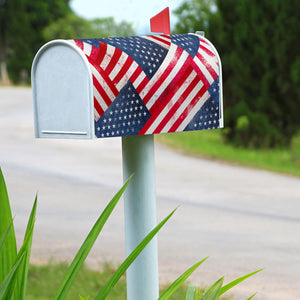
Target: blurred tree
{"points": [[3, 42], [260, 54], [21, 32], [259, 48], [25, 25], [76, 27]]}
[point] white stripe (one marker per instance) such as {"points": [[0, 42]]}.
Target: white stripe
{"points": [[103, 83], [127, 75], [207, 46], [184, 56], [165, 44], [211, 60], [139, 80], [99, 99], [118, 66], [183, 106], [87, 49], [107, 57], [160, 70], [195, 109], [96, 114], [203, 70], [171, 103]]}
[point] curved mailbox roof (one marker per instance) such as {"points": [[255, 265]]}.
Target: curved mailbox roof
{"points": [[133, 85]]}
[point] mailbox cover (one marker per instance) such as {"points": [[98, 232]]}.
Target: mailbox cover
{"points": [[127, 86]]}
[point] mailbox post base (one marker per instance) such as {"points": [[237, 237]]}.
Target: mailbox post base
{"points": [[140, 215]]}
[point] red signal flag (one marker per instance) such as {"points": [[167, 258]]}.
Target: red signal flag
{"points": [[161, 22]]}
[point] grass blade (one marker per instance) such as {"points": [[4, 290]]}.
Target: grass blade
{"points": [[22, 278], [15, 281], [252, 297], [180, 280], [130, 258], [7, 285], [87, 245], [9, 250], [213, 291], [2, 241], [190, 294], [230, 285]]}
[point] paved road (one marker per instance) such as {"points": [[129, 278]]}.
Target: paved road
{"points": [[244, 219]]}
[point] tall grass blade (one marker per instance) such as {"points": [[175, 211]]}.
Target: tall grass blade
{"points": [[8, 253], [230, 285], [87, 245], [252, 297], [190, 294], [22, 278], [2, 241], [180, 280], [8, 283], [15, 286], [130, 258], [213, 291]]}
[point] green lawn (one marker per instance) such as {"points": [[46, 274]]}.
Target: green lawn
{"points": [[44, 280], [209, 144]]}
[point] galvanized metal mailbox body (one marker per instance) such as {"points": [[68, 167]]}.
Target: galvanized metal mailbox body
{"points": [[126, 86]]}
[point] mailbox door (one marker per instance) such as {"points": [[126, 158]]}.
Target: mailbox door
{"points": [[62, 92]]}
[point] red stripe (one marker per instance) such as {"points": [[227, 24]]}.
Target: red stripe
{"points": [[79, 44], [167, 95], [123, 69], [101, 53], [207, 66], [136, 74], [207, 51], [114, 60], [94, 53], [174, 85], [178, 103], [188, 109], [102, 92], [165, 74], [201, 75], [104, 75], [142, 85], [157, 37]]}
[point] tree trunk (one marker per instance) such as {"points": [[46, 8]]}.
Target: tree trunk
{"points": [[4, 79]]}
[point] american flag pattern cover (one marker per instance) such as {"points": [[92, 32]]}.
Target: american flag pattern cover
{"points": [[153, 84]]}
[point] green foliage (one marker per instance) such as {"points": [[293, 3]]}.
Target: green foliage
{"points": [[261, 70], [257, 43], [217, 289], [21, 32], [75, 27], [13, 265], [26, 25], [210, 144], [43, 281], [179, 281]]}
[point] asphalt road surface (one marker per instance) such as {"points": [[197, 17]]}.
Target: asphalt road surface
{"points": [[244, 219]]}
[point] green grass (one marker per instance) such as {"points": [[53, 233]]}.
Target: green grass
{"points": [[209, 144], [44, 280]]}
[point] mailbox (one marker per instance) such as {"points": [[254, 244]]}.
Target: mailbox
{"points": [[94, 88]]}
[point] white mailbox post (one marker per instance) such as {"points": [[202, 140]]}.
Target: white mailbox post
{"points": [[131, 87]]}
